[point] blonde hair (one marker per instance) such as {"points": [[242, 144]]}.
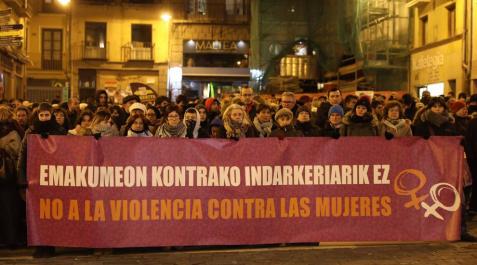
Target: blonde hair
{"points": [[227, 120], [5, 114]]}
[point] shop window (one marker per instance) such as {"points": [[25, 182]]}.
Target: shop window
{"points": [[451, 20], [235, 7], [197, 7], [52, 49], [424, 30]]}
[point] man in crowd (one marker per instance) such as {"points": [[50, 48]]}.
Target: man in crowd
{"points": [[246, 95], [289, 102], [334, 98]]}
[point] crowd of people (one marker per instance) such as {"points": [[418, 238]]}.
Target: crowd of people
{"points": [[241, 116]]}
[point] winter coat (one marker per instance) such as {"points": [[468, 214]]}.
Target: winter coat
{"points": [[461, 124], [428, 124], [399, 128], [307, 129], [359, 126], [288, 131], [330, 131]]}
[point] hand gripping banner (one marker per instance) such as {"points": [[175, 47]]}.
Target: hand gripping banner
{"points": [[139, 192]]}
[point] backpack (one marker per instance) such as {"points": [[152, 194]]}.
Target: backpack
{"points": [[8, 172]]}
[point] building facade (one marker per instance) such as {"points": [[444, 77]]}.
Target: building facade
{"points": [[441, 53], [14, 19]]}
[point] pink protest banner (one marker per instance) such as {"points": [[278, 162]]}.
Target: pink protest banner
{"points": [[138, 192]]}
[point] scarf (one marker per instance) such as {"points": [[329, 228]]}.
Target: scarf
{"points": [[264, 128], [49, 126], [167, 131], [364, 119], [105, 130], [237, 130], [143, 133], [435, 119]]}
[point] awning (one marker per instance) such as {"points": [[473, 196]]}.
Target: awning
{"points": [[216, 72]]}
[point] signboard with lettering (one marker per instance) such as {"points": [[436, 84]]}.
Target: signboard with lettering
{"points": [[215, 46]]}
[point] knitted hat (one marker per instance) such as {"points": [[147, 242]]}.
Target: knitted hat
{"points": [[138, 106], [303, 109], [209, 102], [336, 109], [126, 99], [456, 106], [363, 101], [284, 112]]}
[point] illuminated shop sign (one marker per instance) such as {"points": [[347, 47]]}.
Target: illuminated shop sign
{"points": [[215, 46]]}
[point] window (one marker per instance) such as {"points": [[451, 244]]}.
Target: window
{"points": [[198, 7], [424, 30], [52, 49], [235, 7], [141, 33], [50, 6], [95, 34], [451, 20]]}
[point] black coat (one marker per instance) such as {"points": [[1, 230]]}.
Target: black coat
{"points": [[329, 131], [288, 131], [471, 150], [426, 128], [308, 129]]}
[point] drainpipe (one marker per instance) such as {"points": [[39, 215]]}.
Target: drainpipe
{"points": [[465, 50]]}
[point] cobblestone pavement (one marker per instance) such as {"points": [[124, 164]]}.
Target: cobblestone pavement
{"points": [[402, 254]]}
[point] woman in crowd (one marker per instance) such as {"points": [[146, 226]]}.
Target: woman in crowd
{"points": [[236, 123], [62, 118], [434, 120], [334, 123], [192, 122], [83, 124], [172, 126], [263, 123], [303, 123], [393, 122], [12, 229], [284, 120], [102, 100], [461, 116], [103, 125], [204, 122], [154, 116], [360, 121], [138, 126]]}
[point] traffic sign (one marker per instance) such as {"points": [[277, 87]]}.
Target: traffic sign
{"points": [[11, 27]]}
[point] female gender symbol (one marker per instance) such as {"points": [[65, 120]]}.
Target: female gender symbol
{"points": [[436, 190], [399, 188]]}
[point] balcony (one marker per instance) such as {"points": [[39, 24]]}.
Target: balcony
{"points": [[21, 7], [416, 3], [96, 52], [138, 51]]}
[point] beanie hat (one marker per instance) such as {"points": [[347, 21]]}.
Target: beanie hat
{"points": [[44, 106], [303, 109], [209, 102], [284, 112], [363, 101], [456, 106], [138, 106], [336, 109], [131, 97]]}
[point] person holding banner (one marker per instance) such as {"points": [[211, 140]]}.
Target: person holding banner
{"points": [[236, 123], [193, 124], [263, 123], [360, 121], [172, 126], [303, 123], [284, 120], [393, 123], [103, 125], [138, 126], [333, 125], [434, 120]]}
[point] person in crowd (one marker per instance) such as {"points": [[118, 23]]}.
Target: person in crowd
{"points": [[426, 97], [138, 126], [409, 106], [102, 124], [334, 97], [334, 123], [462, 97], [379, 97], [285, 128], [360, 121], [73, 109], [134, 109], [305, 101], [82, 127], [192, 122], [181, 103], [172, 126], [460, 114], [434, 120], [118, 115], [213, 108], [128, 101], [349, 102], [102, 99], [236, 123], [216, 129], [289, 101], [204, 121], [22, 115], [246, 96], [303, 123], [394, 124], [471, 141], [12, 229], [61, 118], [154, 116], [263, 123], [162, 102], [44, 125], [472, 108], [378, 108]]}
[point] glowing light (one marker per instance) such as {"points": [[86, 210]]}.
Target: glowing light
{"points": [[166, 17], [64, 2], [191, 43]]}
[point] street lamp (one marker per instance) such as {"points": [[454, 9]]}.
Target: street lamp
{"points": [[64, 2], [166, 17]]}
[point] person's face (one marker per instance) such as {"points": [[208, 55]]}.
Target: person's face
{"points": [[115, 114], [138, 125], [215, 132], [335, 118], [203, 115], [264, 115], [137, 112], [17, 103], [128, 104], [22, 117], [103, 99], [361, 110], [463, 112], [303, 117], [334, 97], [437, 108], [351, 103], [151, 115], [163, 104], [393, 113], [379, 109], [60, 118], [190, 116], [86, 121], [284, 121], [236, 115], [44, 115], [246, 95], [74, 104], [215, 106], [288, 102], [173, 119], [426, 94]]}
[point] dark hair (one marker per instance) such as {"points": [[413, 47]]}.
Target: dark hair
{"points": [[451, 93], [392, 104], [408, 99], [473, 98], [156, 111], [181, 98], [161, 99], [22, 108], [44, 106], [67, 124], [437, 101], [304, 99], [376, 103], [334, 89], [98, 95], [170, 109], [131, 120], [462, 95], [348, 98], [82, 115], [262, 107]]}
